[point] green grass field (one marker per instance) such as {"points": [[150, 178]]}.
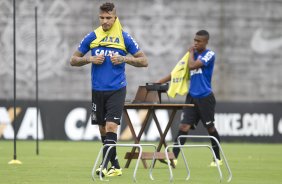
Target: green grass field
{"points": [[62, 162]]}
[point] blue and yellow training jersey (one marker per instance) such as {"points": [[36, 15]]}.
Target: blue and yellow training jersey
{"points": [[200, 79], [108, 77]]}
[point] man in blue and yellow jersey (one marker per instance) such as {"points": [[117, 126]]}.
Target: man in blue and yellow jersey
{"points": [[200, 63], [109, 46]]}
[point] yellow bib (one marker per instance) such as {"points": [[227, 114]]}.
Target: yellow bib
{"points": [[179, 77], [111, 38]]}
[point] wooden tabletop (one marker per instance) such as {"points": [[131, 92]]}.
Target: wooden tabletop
{"points": [[155, 105]]}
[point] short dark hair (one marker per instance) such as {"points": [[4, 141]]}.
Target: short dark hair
{"points": [[106, 7], [203, 33]]}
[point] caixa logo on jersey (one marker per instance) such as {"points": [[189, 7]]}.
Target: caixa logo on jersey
{"points": [[27, 123]]}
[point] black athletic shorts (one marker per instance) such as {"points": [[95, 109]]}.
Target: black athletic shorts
{"points": [[107, 106], [204, 110]]}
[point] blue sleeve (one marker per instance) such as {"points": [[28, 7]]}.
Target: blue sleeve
{"points": [[131, 45], [84, 45], [207, 58]]}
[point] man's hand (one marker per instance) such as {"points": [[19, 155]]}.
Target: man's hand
{"points": [[117, 59], [193, 64], [98, 60], [191, 49], [165, 79]]}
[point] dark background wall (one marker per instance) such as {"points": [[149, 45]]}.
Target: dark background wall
{"points": [[71, 120]]}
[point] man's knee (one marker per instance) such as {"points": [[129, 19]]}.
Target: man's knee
{"points": [[111, 127], [211, 129], [184, 127]]}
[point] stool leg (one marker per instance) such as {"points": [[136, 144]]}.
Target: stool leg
{"points": [[153, 159], [218, 167], [168, 163], [185, 161], [95, 164], [224, 158]]}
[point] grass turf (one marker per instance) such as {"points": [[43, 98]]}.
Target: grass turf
{"points": [[66, 162]]}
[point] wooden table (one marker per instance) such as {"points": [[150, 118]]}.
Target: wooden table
{"points": [[151, 111]]}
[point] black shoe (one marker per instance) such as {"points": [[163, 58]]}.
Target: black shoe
{"points": [[164, 161]]}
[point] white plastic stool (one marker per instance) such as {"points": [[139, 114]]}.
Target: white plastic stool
{"points": [[139, 146], [197, 146]]}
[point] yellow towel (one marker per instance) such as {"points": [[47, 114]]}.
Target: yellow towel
{"points": [[111, 38], [179, 77]]}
